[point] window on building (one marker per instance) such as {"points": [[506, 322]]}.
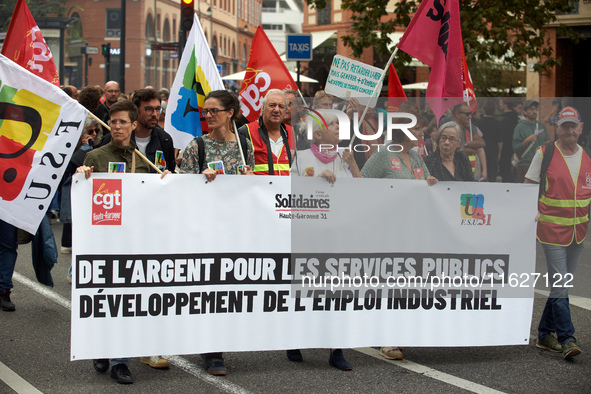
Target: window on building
{"points": [[158, 35], [324, 14], [113, 23]]}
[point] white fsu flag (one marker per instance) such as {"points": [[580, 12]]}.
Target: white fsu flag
{"points": [[39, 129]]}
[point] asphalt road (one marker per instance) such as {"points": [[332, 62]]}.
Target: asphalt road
{"points": [[35, 352]]}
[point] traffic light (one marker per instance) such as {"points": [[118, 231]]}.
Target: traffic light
{"points": [[187, 12], [106, 49], [107, 54]]}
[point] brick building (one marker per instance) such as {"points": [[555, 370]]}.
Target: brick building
{"points": [[150, 22]]}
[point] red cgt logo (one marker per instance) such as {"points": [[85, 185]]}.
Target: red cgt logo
{"points": [[106, 202]]}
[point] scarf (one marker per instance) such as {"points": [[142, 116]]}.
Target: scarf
{"points": [[325, 155]]}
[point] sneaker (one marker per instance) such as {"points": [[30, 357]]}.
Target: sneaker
{"points": [[121, 373], [155, 362], [294, 355], [549, 343], [391, 352], [217, 368], [66, 250], [570, 349], [5, 303]]}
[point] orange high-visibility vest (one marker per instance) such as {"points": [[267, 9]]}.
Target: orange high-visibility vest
{"points": [[564, 207], [262, 161]]}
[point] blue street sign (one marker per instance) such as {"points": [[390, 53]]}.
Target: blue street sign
{"points": [[299, 47]]}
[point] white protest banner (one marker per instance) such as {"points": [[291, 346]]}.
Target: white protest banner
{"points": [[170, 276], [352, 78], [39, 129]]}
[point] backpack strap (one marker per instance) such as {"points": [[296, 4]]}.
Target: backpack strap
{"points": [[243, 142], [201, 154], [548, 152]]}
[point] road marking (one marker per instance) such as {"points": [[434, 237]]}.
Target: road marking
{"points": [[43, 290], [581, 302], [178, 361], [200, 373], [15, 382], [432, 373]]}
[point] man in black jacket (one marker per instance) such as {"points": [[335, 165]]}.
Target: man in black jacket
{"points": [[155, 143]]}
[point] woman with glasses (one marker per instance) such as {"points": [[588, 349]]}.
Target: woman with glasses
{"points": [[449, 162], [222, 156], [220, 147]]}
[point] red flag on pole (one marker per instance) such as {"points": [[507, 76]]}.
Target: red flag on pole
{"points": [[396, 95], [25, 45], [434, 37], [265, 71], [469, 95]]}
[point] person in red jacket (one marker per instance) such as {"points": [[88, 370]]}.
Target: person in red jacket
{"points": [[563, 217]]}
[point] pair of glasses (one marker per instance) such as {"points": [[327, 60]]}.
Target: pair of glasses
{"points": [[150, 110], [113, 91], [212, 111], [118, 121], [444, 138], [93, 131]]}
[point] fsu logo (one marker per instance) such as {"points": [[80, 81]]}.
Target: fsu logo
{"points": [[472, 210], [106, 202]]}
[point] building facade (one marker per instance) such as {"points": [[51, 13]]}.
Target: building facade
{"points": [[149, 25]]}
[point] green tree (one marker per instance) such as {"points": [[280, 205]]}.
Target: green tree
{"points": [[38, 9], [509, 30]]}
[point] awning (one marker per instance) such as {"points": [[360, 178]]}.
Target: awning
{"points": [[415, 86], [239, 76]]}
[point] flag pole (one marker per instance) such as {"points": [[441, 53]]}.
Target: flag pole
{"points": [[378, 85], [239, 144], [140, 154]]}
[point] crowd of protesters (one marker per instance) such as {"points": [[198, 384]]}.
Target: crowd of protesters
{"points": [[502, 143]]}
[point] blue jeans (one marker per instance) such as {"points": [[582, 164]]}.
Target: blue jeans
{"points": [[560, 260], [115, 361], [8, 248]]}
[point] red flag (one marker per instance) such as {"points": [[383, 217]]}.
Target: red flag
{"points": [[469, 95], [265, 71], [25, 45], [396, 95], [434, 37]]}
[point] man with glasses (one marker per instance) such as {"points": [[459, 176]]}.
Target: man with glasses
{"points": [[111, 95], [471, 140], [151, 140], [529, 134]]}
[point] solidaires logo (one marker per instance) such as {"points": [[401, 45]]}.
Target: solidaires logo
{"points": [[472, 210]]}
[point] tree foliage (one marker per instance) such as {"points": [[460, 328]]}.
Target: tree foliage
{"points": [[38, 8], [507, 30]]}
